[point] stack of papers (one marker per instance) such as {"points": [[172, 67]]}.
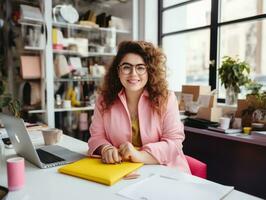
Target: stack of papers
{"points": [[228, 131], [158, 187]]}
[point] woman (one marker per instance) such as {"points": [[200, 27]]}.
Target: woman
{"points": [[136, 118]]}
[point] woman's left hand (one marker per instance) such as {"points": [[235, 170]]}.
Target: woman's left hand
{"points": [[129, 153]]}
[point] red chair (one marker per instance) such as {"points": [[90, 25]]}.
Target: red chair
{"points": [[197, 167]]}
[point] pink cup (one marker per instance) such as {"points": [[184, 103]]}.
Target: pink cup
{"points": [[15, 173]]}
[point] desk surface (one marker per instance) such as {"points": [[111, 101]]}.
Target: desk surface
{"points": [[48, 184], [251, 139]]}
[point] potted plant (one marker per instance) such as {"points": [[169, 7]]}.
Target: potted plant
{"points": [[233, 74], [6, 101], [254, 88], [256, 103]]}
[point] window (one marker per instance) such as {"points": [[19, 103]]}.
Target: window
{"points": [[193, 33]]}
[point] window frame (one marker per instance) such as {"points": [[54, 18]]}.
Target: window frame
{"points": [[214, 27]]}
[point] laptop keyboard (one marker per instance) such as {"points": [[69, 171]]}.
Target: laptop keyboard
{"points": [[47, 157]]}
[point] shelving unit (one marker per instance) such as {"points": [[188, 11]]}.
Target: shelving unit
{"points": [[47, 112], [129, 9], [88, 54], [31, 22], [86, 28], [100, 51], [74, 109], [76, 79], [36, 111], [87, 108], [32, 48]]}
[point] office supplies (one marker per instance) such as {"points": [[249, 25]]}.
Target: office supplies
{"points": [[93, 169], [200, 123], [15, 173], [48, 156], [228, 131], [157, 187], [247, 130]]}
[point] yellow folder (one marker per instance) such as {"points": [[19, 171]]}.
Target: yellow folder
{"points": [[93, 169]]}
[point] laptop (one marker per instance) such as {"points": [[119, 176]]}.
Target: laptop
{"points": [[44, 157]]}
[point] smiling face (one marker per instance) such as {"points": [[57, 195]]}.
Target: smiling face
{"points": [[132, 73]]}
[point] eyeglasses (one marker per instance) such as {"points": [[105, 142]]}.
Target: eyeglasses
{"points": [[126, 68]]}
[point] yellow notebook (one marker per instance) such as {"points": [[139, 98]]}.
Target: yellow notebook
{"points": [[93, 169]]}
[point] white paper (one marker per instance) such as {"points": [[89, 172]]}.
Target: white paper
{"points": [[158, 187]]}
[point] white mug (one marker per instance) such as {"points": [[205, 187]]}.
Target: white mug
{"points": [[224, 122]]}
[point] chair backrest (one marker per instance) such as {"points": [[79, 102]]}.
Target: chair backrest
{"points": [[197, 167]]}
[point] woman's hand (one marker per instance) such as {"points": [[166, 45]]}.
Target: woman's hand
{"points": [[129, 153], [110, 155]]}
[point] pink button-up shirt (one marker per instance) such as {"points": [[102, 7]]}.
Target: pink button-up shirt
{"points": [[162, 137]]}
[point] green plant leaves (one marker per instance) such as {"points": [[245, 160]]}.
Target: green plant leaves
{"points": [[234, 73], [6, 101]]}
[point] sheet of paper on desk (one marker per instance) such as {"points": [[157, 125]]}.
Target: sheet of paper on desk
{"points": [[157, 187]]}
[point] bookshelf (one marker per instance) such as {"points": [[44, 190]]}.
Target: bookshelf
{"points": [[99, 52], [69, 30]]}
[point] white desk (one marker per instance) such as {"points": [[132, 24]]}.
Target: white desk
{"points": [[48, 184]]}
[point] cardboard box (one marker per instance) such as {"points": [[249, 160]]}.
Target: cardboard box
{"points": [[207, 100], [196, 90], [212, 114]]}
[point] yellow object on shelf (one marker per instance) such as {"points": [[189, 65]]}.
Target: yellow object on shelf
{"points": [[54, 36], [247, 130]]}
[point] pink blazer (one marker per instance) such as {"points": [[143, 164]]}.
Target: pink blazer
{"points": [[162, 137]]}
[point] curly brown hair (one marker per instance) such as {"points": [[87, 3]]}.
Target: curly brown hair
{"points": [[156, 86]]}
